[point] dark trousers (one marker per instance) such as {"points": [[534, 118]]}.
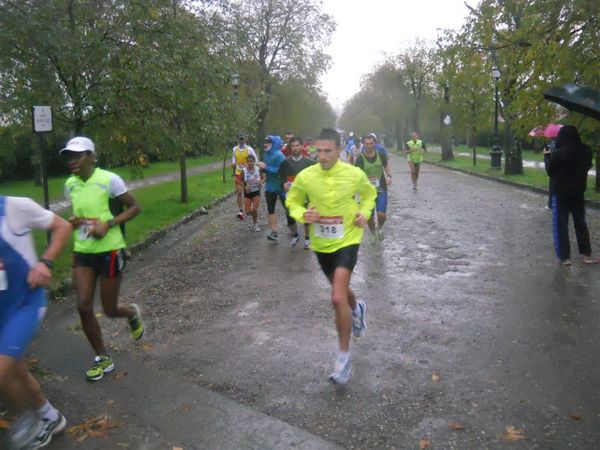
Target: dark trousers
{"points": [[561, 207]]}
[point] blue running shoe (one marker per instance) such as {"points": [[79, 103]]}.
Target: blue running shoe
{"points": [[359, 321], [341, 372]]}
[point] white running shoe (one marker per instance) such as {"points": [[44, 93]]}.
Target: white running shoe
{"points": [[50, 428], [341, 372], [306, 244], [256, 227], [295, 240], [359, 321]]}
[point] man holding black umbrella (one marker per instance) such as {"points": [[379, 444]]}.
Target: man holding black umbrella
{"points": [[568, 168]]}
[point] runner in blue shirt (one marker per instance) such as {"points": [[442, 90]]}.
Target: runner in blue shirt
{"points": [[22, 308]]}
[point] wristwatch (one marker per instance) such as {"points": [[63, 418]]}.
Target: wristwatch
{"points": [[47, 262]]}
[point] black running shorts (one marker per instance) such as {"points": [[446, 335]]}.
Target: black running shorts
{"points": [[108, 264], [251, 194], [344, 257]]}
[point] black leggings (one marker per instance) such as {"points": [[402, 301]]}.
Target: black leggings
{"points": [[272, 200]]}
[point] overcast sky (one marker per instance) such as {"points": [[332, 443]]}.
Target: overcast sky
{"points": [[368, 29]]}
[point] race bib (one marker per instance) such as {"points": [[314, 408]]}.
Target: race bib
{"points": [[253, 185], [240, 167], [329, 227], [374, 181], [85, 227]]}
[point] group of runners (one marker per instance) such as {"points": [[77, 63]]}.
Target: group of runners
{"points": [[101, 205], [283, 160], [331, 200]]}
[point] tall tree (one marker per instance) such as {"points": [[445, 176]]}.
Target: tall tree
{"points": [[276, 41]]}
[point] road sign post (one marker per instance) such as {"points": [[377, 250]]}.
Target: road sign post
{"points": [[42, 123]]}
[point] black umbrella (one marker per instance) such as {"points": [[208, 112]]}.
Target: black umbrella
{"points": [[581, 99]]}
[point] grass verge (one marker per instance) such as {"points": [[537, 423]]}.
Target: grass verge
{"points": [[531, 177], [528, 155], [26, 188], [161, 207]]}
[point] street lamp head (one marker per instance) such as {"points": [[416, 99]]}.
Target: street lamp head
{"points": [[495, 73], [235, 79]]}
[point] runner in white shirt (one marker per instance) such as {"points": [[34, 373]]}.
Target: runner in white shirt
{"points": [[22, 308]]}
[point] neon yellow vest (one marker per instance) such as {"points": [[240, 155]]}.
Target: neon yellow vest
{"points": [[415, 156], [89, 200], [241, 159]]}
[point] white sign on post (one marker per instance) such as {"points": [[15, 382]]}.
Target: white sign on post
{"points": [[42, 119]]}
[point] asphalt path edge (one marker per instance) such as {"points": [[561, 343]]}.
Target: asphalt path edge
{"points": [[589, 203]]}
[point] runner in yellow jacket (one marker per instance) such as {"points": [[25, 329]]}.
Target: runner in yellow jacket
{"points": [[324, 196]]}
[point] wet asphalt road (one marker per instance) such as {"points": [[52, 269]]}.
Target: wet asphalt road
{"points": [[470, 321]]}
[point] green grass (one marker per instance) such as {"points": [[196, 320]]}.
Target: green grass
{"points": [[528, 155], [530, 177], [26, 188], [161, 207]]}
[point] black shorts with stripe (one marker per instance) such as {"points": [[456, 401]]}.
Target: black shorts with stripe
{"points": [[108, 264]]}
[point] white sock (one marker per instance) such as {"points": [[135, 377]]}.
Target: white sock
{"points": [[356, 311], [343, 357], [48, 411]]}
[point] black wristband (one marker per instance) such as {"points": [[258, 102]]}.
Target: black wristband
{"points": [[47, 262]]}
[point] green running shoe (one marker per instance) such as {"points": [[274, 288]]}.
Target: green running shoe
{"points": [[135, 323], [102, 364]]}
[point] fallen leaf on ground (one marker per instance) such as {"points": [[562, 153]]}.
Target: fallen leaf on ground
{"points": [[98, 314], [435, 377], [575, 417], [177, 448], [424, 443], [123, 444], [455, 426], [95, 427], [96, 433], [119, 375], [147, 347], [4, 424], [512, 434]]}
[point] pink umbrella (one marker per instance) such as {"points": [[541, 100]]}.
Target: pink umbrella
{"points": [[549, 131]]}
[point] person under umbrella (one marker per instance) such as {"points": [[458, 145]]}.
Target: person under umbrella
{"points": [[568, 167]]}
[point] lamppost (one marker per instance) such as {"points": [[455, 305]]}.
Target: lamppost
{"points": [[496, 152], [235, 83]]}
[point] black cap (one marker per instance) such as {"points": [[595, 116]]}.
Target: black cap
{"points": [[241, 136], [268, 140]]}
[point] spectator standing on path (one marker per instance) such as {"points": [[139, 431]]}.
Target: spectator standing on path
{"points": [[99, 244], [375, 164], [415, 148], [272, 159], [336, 227], [22, 308], [252, 184], [239, 160], [289, 169], [568, 168]]}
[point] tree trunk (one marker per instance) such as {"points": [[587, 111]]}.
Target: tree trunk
{"points": [[597, 170], [398, 133], [446, 130]]}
